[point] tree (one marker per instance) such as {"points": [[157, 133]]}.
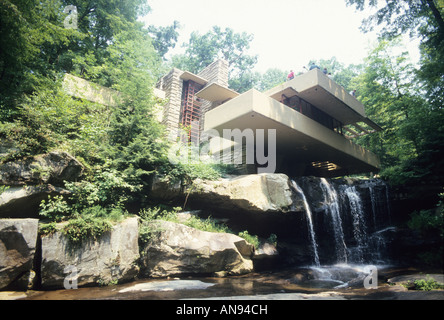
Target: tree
{"points": [[411, 143], [164, 38], [340, 73], [419, 18], [111, 48], [135, 146], [202, 50], [271, 78], [399, 17], [31, 34], [36, 48]]}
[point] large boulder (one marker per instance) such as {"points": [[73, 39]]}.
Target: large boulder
{"points": [[23, 202], [259, 203], [254, 193], [25, 183], [52, 168], [18, 239], [108, 259], [176, 249]]}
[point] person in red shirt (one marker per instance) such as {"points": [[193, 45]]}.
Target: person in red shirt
{"points": [[290, 75]]}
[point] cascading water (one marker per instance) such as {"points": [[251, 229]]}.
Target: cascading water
{"points": [[379, 196], [331, 200], [358, 219], [365, 221], [310, 223], [374, 205]]}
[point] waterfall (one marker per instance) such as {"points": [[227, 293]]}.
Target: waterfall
{"points": [[352, 223], [380, 202], [374, 204], [353, 218], [331, 199], [309, 221], [358, 219]]}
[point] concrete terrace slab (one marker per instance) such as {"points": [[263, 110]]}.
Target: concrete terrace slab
{"points": [[299, 139]]}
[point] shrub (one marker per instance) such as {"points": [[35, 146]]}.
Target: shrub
{"points": [[427, 284], [81, 229], [252, 239], [55, 209], [209, 224]]}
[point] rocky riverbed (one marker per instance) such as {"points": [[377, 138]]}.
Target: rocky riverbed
{"points": [[340, 226], [291, 284]]}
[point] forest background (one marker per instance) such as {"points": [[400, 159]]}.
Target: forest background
{"points": [[123, 147]]}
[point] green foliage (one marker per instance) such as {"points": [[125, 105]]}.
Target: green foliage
{"points": [[85, 228], [146, 231], [55, 209], [252, 239], [187, 172], [272, 239], [107, 188], [157, 213], [427, 220], [92, 207], [50, 119], [46, 229], [431, 220], [410, 146], [202, 50], [430, 224], [103, 283], [408, 102], [102, 195], [3, 188], [89, 224], [209, 224], [270, 79], [427, 284], [33, 41], [164, 38]]}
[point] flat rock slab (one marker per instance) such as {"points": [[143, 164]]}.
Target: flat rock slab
{"points": [[169, 285], [285, 296]]}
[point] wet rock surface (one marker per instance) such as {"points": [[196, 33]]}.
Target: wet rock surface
{"points": [[279, 285]]}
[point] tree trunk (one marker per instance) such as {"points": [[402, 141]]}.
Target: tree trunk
{"points": [[437, 15]]}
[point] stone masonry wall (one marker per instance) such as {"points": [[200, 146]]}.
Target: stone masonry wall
{"points": [[172, 85], [217, 72]]}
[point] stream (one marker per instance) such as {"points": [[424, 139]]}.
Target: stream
{"points": [[338, 282]]}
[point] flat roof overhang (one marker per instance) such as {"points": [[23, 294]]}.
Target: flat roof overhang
{"points": [[325, 94], [216, 93], [298, 137], [186, 76]]}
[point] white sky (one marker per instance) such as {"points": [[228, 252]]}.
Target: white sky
{"points": [[287, 33]]}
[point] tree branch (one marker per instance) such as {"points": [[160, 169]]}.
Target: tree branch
{"points": [[437, 16]]}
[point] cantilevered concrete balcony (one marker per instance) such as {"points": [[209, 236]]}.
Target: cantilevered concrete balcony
{"points": [[303, 146], [318, 89]]}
